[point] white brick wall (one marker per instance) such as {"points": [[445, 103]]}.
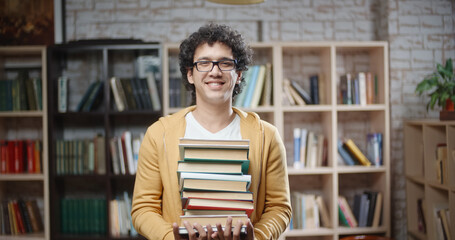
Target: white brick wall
{"points": [[420, 32]]}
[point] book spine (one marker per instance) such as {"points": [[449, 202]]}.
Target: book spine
{"points": [[62, 94]]}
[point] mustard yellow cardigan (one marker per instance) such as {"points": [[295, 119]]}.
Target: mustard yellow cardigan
{"points": [[156, 200]]}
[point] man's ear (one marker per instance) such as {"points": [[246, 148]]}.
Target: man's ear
{"points": [[239, 77], [189, 75]]}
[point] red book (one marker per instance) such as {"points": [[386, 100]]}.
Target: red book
{"points": [[37, 153], [18, 158], [19, 218], [217, 204], [10, 157], [30, 156], [3, 156]]}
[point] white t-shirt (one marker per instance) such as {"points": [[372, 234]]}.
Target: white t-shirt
{"points": [[197, 131]]}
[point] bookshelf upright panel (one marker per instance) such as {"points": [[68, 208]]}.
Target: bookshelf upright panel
{"points": [[24, 135]]}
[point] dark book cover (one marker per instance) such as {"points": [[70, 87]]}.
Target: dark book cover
{"points": [[314, 89]]}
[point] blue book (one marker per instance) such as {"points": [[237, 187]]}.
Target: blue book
{"points": [[297, 134], [251, 85], [344, 154]]}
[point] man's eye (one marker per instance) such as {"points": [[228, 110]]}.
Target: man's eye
{"points": [[204, 63], [226, 64]]}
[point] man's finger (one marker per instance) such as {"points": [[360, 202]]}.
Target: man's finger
{"points": [[175, 230]]}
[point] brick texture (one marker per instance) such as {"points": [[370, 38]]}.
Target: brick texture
{"points": [[420, 33]]}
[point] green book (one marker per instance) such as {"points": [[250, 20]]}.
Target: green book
{"points": [[86, 96]]}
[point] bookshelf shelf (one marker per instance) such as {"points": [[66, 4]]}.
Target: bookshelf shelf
{"points": [[329, 60], [84, 63], [23, 120], [429, 185]]}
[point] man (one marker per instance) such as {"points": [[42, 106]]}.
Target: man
{"points": [[211, 61]]}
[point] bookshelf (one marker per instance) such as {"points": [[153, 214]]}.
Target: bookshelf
{"points": [[92, 185], [21, 123], [298, 61], [422, 178]]}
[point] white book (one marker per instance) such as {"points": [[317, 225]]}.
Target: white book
{"points": [[120, 155], [362, 88], [62, 94], [115, 91], [223, 177], [153, 90], [303, 146], [114, 156], [136, 145], [127, 138]]}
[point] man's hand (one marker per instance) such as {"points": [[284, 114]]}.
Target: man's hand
{"points": [[192, 234], [234, 234]]}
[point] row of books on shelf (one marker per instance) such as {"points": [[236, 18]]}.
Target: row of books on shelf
{"points": [[81, 216], [128, 94], [365, 212], [257, 90], [120, 220], [309, 211], [350, 154], [20, 156], [310, 149], [211, 190], [294, 94], [441, 218], [136, 93], [125, 152], [358, 88], [80, 156], [21, 94], [20, 216]]}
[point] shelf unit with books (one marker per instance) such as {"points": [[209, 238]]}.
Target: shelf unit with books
{"points": [[326, 62], [24, 138], [430, 188], [92, 160]]}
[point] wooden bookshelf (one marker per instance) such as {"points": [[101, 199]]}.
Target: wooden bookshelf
{"points": [[26, 124], [84, 63], [421, 138], [298, 60]]}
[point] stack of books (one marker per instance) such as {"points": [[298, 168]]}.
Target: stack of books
{"points": [[214, 181]]}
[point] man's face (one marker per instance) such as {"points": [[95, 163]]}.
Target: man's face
{"points": [[215, 86]]}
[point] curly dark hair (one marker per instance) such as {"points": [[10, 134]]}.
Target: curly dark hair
{"points": [[210, 34]]}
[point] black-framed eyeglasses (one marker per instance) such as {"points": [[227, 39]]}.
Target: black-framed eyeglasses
{"points": [[223, 65]]}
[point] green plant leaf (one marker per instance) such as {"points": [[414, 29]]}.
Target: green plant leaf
{"points": [[449, 66]]}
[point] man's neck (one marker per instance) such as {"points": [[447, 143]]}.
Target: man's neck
{"points": [[214, 117]]}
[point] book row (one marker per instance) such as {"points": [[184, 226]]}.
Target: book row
{"points": [[309, 211], [120, 220], [81, 156], [21, 94], [350, 154], [125, 153], [210, 194], [19, 216], [295, 94], [83, 216], [310, 149], [360, 88], [20, 156], [441, 218], [365, 212], [257, 90]]}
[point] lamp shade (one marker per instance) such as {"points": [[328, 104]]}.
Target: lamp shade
{"points": [[237, 2]]}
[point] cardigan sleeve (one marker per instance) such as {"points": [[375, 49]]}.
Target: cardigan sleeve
{"points": [[273, 193]]}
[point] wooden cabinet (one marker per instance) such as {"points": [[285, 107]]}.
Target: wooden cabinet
{"points": [[88, 182], [298, 61], [429, 149], [23, 123]]}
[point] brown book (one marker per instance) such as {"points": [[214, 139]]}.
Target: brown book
{"points": [[215, 153], [377, 210], [325, 218], [35, 216], [197, 212]]}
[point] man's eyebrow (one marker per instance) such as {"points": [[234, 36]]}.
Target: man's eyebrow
{"points": [[211, 59]]}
